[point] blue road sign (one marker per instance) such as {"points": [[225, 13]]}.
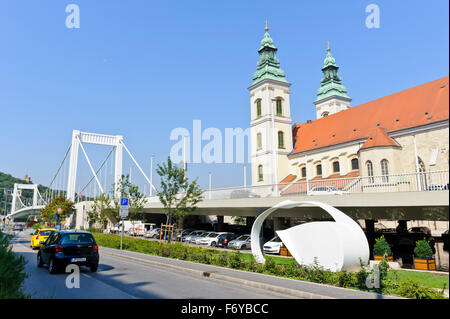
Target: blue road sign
{"points": [[124, 201]]}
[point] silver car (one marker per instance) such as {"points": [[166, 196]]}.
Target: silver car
{"points": [[192, 235], [196, 240], [242, 242]]}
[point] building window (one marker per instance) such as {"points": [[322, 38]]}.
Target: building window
{"points": [[303, 171], [370, 171], [258, 108], [336, 167], [258, 141], [280, 139], [319, 169], [385, 171], [355, 164], [325, 114], [260, 173], [279, 108]]}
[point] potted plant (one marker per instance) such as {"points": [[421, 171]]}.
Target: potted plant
{"points": [[381, 249], [423, 256]]}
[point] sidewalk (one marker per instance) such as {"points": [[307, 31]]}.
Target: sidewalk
{"points": [[296, 288]]}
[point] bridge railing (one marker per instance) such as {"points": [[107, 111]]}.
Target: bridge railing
{"points": [[408, 182]]}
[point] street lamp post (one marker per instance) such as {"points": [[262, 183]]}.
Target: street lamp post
{"points": [[151, 175], [210, 185]]}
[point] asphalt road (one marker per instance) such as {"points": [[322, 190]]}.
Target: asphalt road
{"points": [[121, 278]]}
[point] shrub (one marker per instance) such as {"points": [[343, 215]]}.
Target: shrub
{"points": [[12, 271], [235, 260], [381, 247], [423, 249], [411, 289]]}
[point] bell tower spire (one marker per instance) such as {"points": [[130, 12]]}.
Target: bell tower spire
{"points": [[332, 95]]}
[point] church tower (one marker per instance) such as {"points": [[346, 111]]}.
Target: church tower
{"points": [[270, 123], [332, 95]]}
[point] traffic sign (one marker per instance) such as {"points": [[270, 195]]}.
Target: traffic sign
{"points": [[124, 208]]}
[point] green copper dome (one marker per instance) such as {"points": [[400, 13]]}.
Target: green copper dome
{"points": [[331, 83], [268, 66]]}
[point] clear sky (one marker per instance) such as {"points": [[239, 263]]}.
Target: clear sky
{"points": [[143, 68]]}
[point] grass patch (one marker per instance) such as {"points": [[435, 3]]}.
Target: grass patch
{"points": [[423, 278], [392, 283]]}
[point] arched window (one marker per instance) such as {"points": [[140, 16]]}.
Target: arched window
{"points": [[258, 141], [319, 169], [258, 108], [370, 171], [355, 164], [336, 167], [280, 139], [279, 107], [260, 173], [385, 171], [325, 114], [303, 171]]}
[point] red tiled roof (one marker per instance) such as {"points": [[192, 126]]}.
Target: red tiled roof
{"points": [[335, 180], [379, 137], [421, 105], [288, 179]]}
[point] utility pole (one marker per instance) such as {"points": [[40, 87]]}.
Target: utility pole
{"points": [[210, 185], [245, 176]]}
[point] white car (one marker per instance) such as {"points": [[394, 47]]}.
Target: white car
{"points": [[196, 240], [210, 240], [326, 190], [273, 246], [151, 233]]}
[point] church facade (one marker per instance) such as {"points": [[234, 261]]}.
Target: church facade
{"points": [[403, 133]]}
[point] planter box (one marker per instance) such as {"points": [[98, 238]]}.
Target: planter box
{"points": [[424, 263], [380, 258], [284, 252]]}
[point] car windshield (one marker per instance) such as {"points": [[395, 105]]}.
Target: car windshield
{"points": [[212, 235], [45, 232], [77, 239], [243, 237], [203, 234], [276, 239]]}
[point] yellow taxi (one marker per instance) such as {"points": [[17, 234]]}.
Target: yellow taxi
{"points": [[40, 236]]}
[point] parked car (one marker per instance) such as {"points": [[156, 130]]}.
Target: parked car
{"points": [[273, 246], [191, 235], [151, 233], [184, 233], [225, 239], [18, 227], [196, 240], [242, 242], [243, 193], [212, 239], [40, 236], [444, 237], [326, 190], [421, 229], [68, 247]]}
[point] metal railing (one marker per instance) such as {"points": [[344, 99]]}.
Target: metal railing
{"points": [[408, 182]]}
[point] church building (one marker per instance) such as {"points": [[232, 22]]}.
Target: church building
{"points": [[402, 133]]}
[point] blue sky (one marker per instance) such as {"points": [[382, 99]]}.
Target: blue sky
{"points": [[143, 68]]}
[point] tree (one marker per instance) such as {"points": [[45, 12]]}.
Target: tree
{"points": [[60, 203], [136, 199], [177, 195], [102, 211]]}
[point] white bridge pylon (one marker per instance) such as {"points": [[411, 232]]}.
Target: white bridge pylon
{"points": [[17, 203], [116, 141]]}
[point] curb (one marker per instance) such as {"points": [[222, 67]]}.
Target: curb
{"points": [[254, 284]]}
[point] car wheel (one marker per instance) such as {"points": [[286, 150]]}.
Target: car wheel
{"points": [[213, 244], [52, 267], [93, 267], [243, 247], [39, 260]]}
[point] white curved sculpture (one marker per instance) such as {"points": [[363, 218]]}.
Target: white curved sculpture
{"points": [[338, 245]]}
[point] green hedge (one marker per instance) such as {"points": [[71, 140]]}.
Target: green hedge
{"points": [[236, 260], [12, 270]]}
